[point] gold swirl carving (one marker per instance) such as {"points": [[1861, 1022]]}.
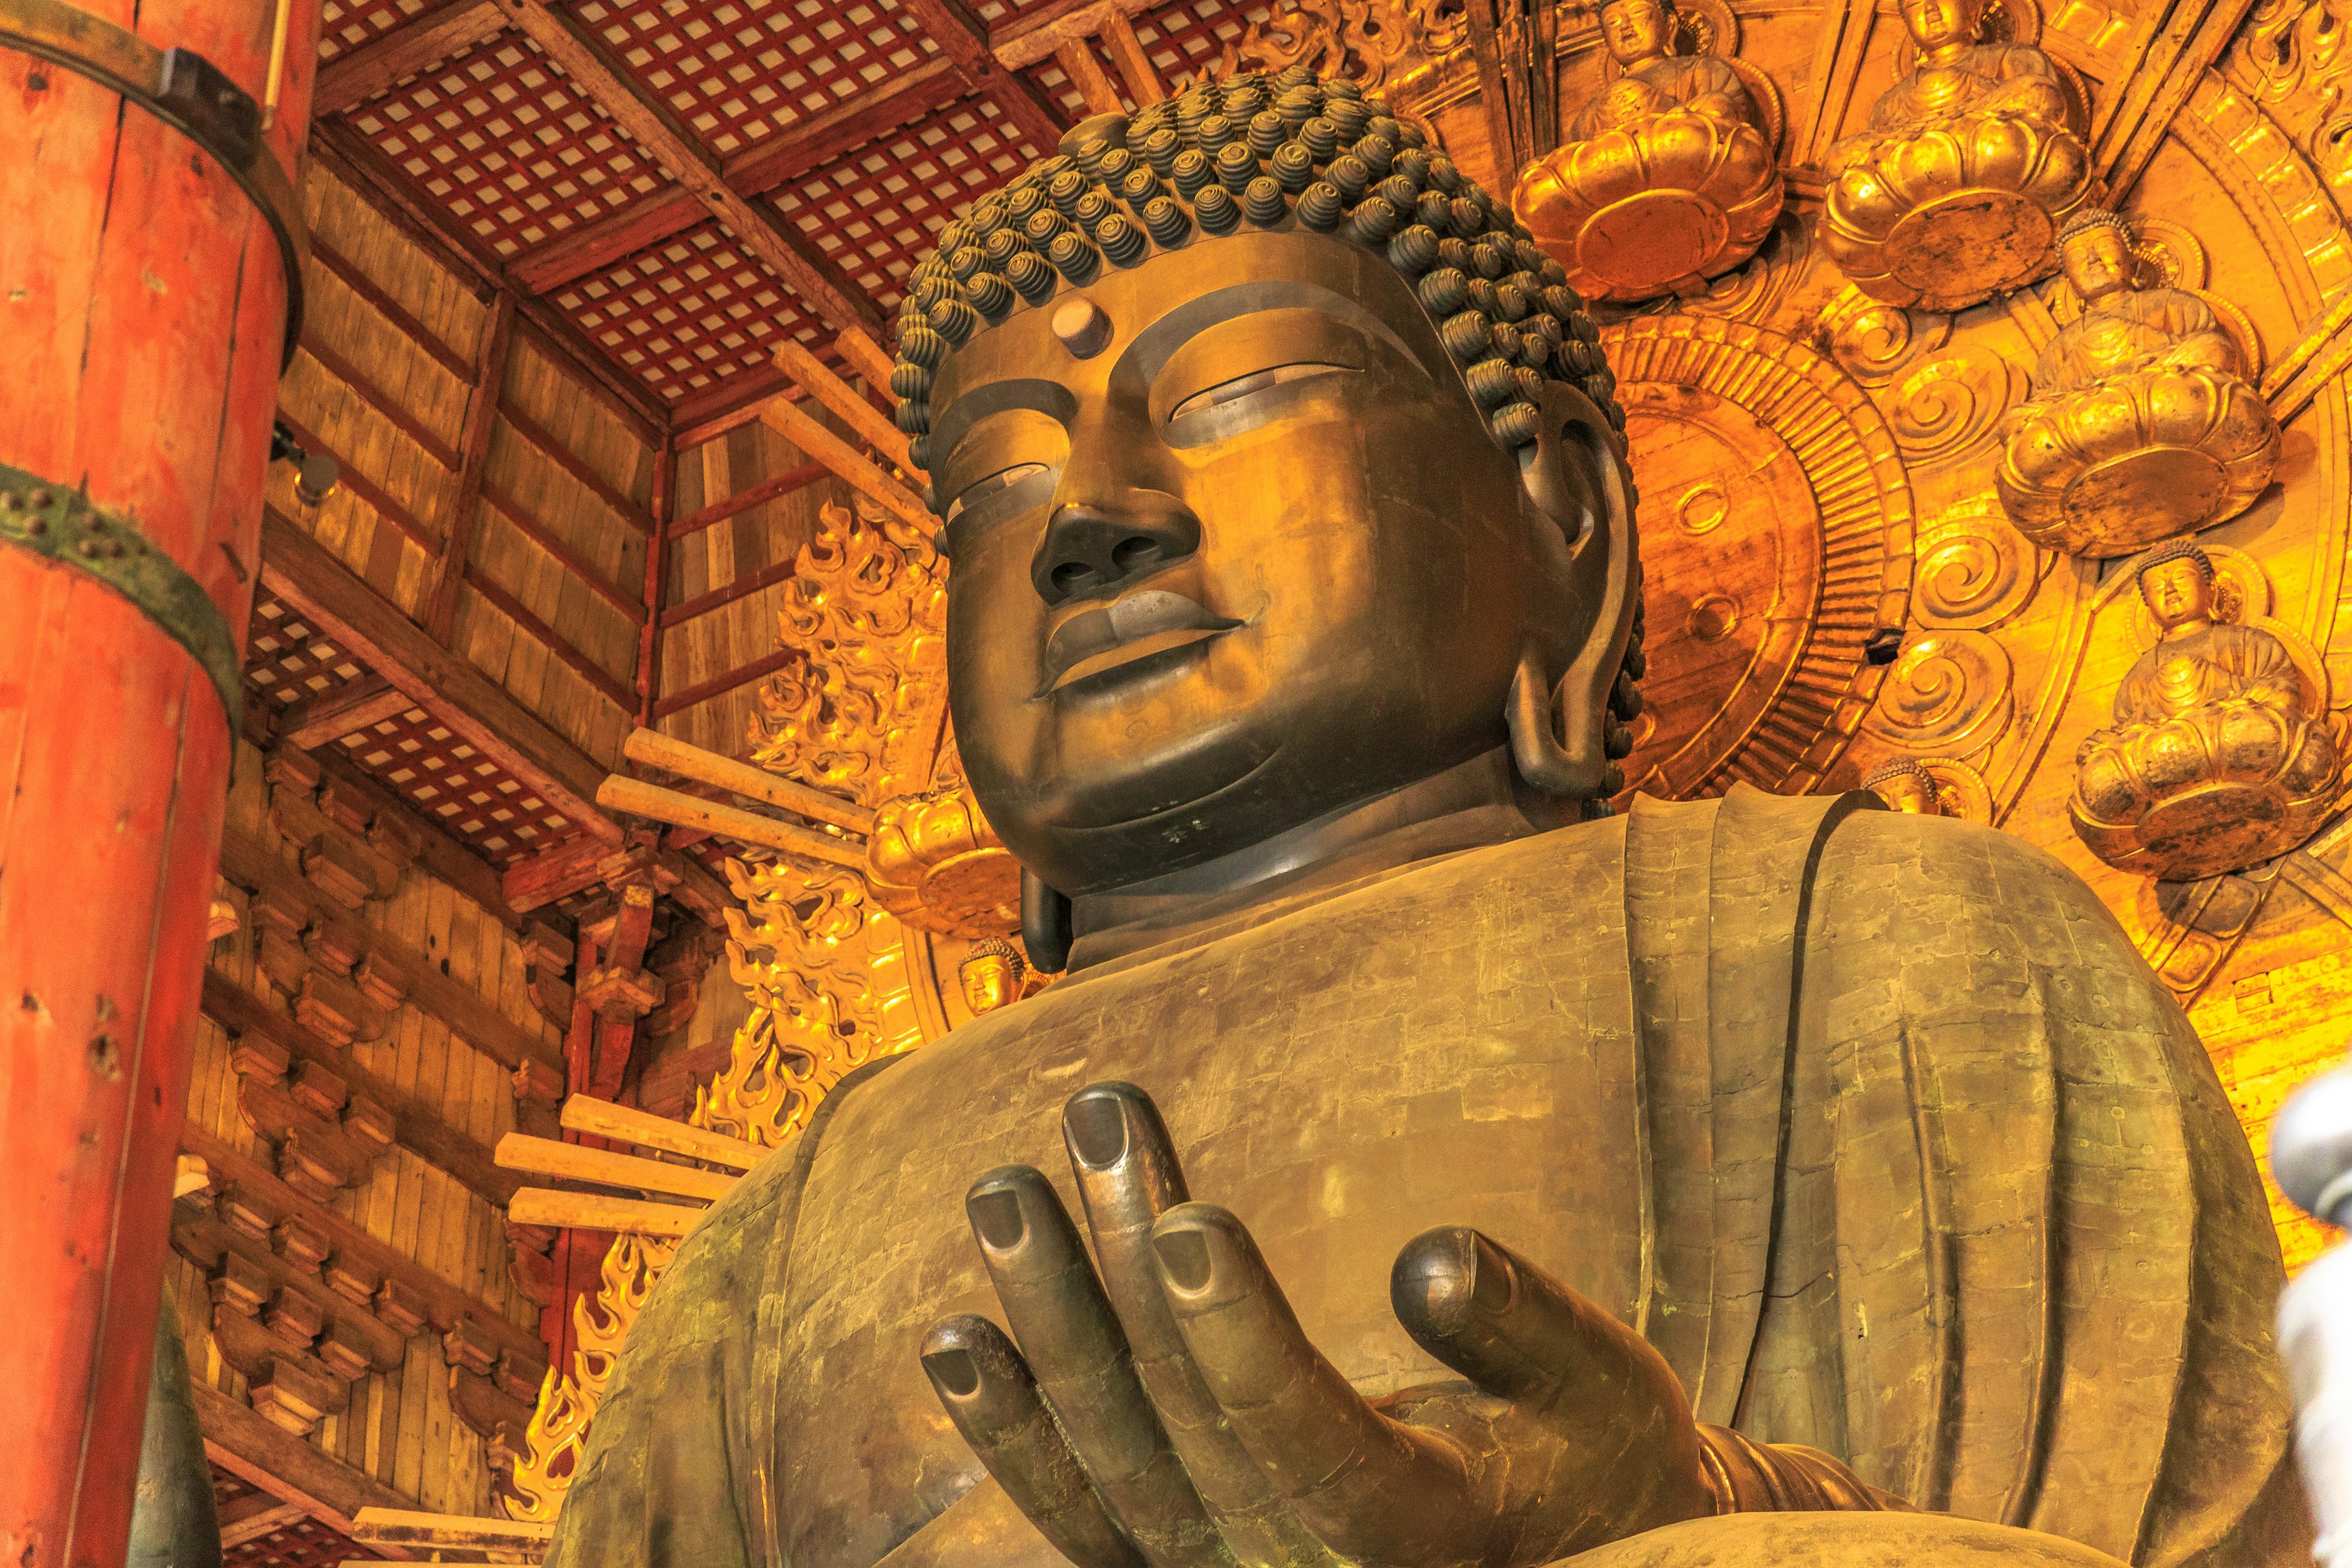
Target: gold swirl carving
{"points": [[1950, 692], [1975, 573], [1873, 341], [558, 1435], [1949, 407]]}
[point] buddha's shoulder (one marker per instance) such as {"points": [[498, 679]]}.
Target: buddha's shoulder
{"points": [[1894, 875]]}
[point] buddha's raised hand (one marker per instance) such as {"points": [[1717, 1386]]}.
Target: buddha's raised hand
{"points": [[1193, 1424]]}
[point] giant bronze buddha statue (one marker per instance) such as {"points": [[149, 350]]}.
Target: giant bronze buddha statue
{"points": [[1727, 1181]]}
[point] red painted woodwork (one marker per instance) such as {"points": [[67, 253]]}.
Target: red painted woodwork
{"points": [[145, 319]]}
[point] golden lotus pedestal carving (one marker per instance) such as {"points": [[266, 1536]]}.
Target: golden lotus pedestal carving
{"points": [[2221, 754], [1667, 178], [934, 862], [2142, 425], [1953, 193]]}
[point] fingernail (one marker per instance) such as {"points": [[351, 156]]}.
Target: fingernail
{"points": [[953, 1370], [1491, 1276], [995, 1213], [1097, 1117], [1185, 1260], [1435, 1280]]}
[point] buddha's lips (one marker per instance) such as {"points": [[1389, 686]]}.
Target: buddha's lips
{"points": [[1110, 635]]}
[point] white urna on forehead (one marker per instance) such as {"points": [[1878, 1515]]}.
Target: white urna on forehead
{"points": [[1259, 153]]}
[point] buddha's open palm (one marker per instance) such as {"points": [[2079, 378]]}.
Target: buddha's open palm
{"points": [[1170, 1412]]}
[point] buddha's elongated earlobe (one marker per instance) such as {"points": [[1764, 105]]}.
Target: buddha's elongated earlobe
{"points": [[1045, 925]]}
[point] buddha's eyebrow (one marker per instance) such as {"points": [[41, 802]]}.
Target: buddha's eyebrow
{"points": [[1042, 394]]}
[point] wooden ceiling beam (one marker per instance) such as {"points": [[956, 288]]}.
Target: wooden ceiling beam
{"points": [[326, 716], [357, 75], [346, 155], [442, 855], [249, 1446], [651, 124], [299, 570], [465, 510], [964, 37]]}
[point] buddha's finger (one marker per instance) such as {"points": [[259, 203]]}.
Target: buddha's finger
{"points": [[992, 1400], [1362, 1482], [1520, 1334], [1074, 1347], [1128, 1176]]}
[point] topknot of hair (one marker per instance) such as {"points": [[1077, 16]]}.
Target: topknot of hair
{"points": [[1290, 150], [2178, 550]]}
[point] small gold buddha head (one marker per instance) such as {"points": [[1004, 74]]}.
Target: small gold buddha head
{"points": [[1905, 784], [2176, 583], [990, 974], [1637, 30], [1278, 469], [2096, 249], [1943, 28]]}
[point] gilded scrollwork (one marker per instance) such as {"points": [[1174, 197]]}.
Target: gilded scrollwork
{"points": [[1950, 405], [1875, 341], [1975, 572], [1950, 693]]}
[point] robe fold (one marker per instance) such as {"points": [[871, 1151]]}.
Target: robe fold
{"points": [[1876, 1126]]}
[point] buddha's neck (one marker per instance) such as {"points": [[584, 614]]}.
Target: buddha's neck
{"points": [[1948, 54], [1475, 804], [2186, 628]]}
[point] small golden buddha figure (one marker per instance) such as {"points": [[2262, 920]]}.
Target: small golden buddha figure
{"points": [[1953, 192], [2142, 425], [1906, 785], [992, 975], [1667, 176], [1630, 1188], [2221, 753]]}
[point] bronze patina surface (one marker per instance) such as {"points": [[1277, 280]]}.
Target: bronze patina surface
{"points": [[1293, 623]]}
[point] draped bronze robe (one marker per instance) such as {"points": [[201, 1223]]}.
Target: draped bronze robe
{"points": [[1876, 1125]]}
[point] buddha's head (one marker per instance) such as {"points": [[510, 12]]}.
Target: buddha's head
{"points": [[1637, 30], [1942, 28], [990, 974], [2096, 249], [2176, 585], [1905, 784], [1277, 472]]}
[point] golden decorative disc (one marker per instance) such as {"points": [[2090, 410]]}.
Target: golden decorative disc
{"points": [[1649, 235]]}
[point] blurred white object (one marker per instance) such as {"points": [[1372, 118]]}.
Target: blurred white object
{"points": [[2311, 1152]]}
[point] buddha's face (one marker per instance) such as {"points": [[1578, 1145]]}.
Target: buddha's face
{"points": [[987, 979], [1636, 30], [1942, 25], [1254, 559], [2176, 591], [1907, 793], [2098, 262]]}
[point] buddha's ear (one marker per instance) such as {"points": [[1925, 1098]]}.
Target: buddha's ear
{"points": [[1580, 502]]}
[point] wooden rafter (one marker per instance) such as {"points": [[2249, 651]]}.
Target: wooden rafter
{"points": [[331, 714], [2184, 40], [352, 77], [249, 1446], [1077, 61], [744, 501], [299, 570], [651, 124], [649, 642], [481, 419]]}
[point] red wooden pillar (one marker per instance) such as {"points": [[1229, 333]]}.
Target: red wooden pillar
{"points": [[143, 307]]}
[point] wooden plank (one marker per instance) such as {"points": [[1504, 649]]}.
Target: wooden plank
{"points": [[964, 37], [719, 684], [571, 560], [649, 642], [299, 570], [331, 714], [200, 1235], [642, 799], [396, 1527], [625, 1124], [767, 577], [607, 1168], [866, 358], [443, 857], [660, 751], [729, 406], [386, 509], [377, 398], [357, 75], [417, 1126], [587, 669], [260, 1453], [813, 377], [651, 124], [1077, 61], [350, 275], [554, 874], [252, 1523], [804, 430], [465, 507], [1119, 38], [249, 865], [588, 1211], [565, 459]]}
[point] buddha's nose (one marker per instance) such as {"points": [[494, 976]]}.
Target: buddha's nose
{"points": [[1090, 551]]}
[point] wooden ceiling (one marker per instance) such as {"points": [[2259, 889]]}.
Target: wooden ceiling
{"points": [[677, 186]]}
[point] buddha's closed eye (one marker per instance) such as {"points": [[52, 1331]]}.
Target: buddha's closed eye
{"points": [[1241, 386], [979, 491]]}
